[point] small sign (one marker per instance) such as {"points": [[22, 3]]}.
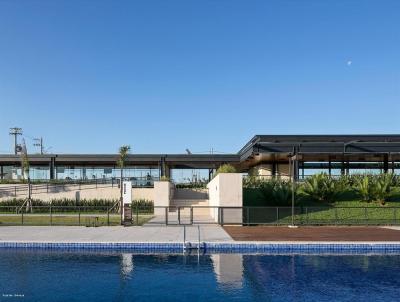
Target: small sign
{"points": [[127, 192]]}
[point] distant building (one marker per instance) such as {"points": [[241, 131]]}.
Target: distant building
{"points": [[264, 155]]}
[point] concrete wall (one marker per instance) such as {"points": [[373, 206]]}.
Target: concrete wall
{"points": [[143, 193], [41, 192], [226, 190], [163, 193]]}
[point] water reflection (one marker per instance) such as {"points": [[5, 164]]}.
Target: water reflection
{"points": [[126, 264], [228, 269]]}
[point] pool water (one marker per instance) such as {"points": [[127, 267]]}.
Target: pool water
{"points": [[29, 275]]}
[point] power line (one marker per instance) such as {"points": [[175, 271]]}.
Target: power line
{"points": [[15, 131], [38, 142]]}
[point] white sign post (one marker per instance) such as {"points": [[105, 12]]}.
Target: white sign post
{"points": [[127, 200]]}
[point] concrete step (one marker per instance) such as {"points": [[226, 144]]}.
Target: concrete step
{"points": [[197, 211], [189, 202], [185, 206], [191, 194]]}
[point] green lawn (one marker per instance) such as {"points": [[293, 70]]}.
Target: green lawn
{"points": [[323, 215], [348, 209], [85, 220]]}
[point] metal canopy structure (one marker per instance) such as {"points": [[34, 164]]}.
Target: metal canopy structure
{"points": [[324, 151], [312, 151]]}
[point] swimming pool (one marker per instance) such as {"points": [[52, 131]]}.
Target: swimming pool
{"points": [[42, 275]]}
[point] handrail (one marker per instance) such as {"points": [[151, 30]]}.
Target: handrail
{"points": [[23, 205], [115, 204]]}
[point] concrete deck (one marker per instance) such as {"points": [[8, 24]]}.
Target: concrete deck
{"points": [[210, 233]]}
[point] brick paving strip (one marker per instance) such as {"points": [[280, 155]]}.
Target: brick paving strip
{"points": [[320, 233]]}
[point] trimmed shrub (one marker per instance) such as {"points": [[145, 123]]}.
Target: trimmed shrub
{"points": [[226, 168]]}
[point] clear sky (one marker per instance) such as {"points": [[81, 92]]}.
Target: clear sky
{"points": [[164, 76]]}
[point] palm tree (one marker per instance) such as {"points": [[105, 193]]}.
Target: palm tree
{"points": [[123, 155], [25, 167]]}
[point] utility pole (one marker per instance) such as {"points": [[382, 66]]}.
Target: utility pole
{"points": [[39, 143], [15, 131]]}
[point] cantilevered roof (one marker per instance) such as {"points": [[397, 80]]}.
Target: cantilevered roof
{"points": [[321, 144]]}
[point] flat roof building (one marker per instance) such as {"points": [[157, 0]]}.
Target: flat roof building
{"points": [[265, 155]]}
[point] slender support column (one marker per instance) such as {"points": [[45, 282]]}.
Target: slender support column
{"points": [[274, 169], [342, 169], [385, 163], [330, 167], [210, 173], [52, 168]]}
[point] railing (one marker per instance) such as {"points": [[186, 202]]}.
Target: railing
{"points": [[313, 215], [181, 215], [59, 186]]}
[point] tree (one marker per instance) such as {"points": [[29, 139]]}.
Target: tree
{"points": [[121, 162], [25, 167]]}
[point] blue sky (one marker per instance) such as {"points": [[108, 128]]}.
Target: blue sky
{"points": [[164, 76]]}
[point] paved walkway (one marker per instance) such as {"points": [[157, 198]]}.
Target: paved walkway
{"points": [[210, 233]]}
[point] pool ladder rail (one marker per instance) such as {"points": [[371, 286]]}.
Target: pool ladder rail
{"points": [[187, 245]]}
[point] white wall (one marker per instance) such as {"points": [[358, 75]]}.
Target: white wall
{"points": [[226, 190], [163, 191]]}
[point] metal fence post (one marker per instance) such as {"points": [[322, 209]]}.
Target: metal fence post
{"points": [[22, 217], [191, 215], [307, 221], [336, 216], [137, 214], [166, 215], [51, 215], [366, 216], [179, 215], [15, 191], [222, 216], [47, 187], [277, 215]]}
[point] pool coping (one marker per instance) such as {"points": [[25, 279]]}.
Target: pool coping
{"points": [[381, 247]]}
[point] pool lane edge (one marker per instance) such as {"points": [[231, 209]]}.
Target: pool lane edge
{"points": [[217, 247]]}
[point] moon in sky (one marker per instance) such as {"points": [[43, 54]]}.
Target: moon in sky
{"points": [[349, 63]]}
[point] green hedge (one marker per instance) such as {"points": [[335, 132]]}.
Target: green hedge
{"points": [[71, 205]]}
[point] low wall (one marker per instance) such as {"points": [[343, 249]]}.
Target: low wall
{"points": [[163, 193], [143, 193], [70, 191], [226, 190]]}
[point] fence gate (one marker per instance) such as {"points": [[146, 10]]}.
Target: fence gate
{"points": [[180, 215]]}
